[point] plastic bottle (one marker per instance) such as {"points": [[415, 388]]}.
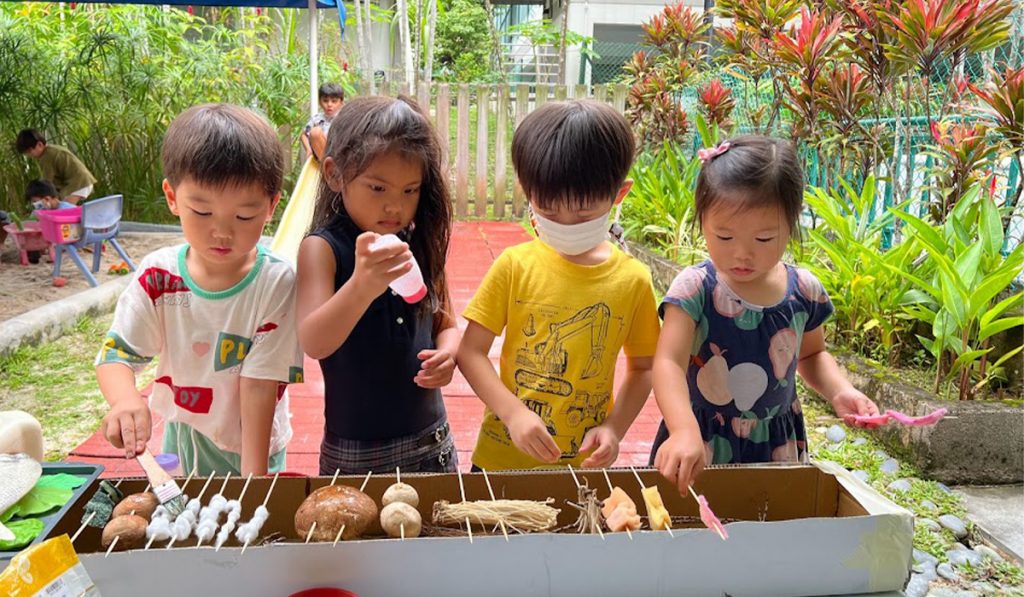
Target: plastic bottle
{"points": [[410, 285]]}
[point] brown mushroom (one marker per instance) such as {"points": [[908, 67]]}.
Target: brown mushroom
{"points": [[130, 528], [143, 504], [332, 507]]}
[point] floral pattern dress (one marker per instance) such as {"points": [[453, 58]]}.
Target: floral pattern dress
{"points": [[742, 367]]}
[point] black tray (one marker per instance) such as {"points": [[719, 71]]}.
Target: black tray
{"points": [[79, 469]]}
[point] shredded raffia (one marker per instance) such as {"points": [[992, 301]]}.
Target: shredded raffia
{"points": [[522, 516]]}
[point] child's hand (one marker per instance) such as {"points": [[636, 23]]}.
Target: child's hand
{"points": [[530, 435], [128, 425], [680, 459], [850, 402], [375, 269], [604, 442], [436, 370]]}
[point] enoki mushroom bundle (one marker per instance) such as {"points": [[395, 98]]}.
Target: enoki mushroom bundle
{"points": [[523, 516]]}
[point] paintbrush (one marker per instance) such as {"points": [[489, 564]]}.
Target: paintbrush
{"points": [[166, 490]]}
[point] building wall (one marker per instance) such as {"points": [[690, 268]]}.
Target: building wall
{"points": [[584, 14]]}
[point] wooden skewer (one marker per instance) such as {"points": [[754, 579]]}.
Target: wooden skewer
{"points": [[401, 526], [244, 488], [205, 485], [642, 486], [269, 491], [240, 497], [265, 500], [490, 490], [361, 488], [84, 524], [610, 488], [638, 479], [223, 486], [578, 486], [116, 538], [462, 490], [312, 527], [92, 515]]}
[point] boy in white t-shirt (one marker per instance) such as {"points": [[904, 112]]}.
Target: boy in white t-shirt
{"points": [[218, 311]]}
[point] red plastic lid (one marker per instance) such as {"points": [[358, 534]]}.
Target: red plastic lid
{"points": [[415, 298], [324, 592]]}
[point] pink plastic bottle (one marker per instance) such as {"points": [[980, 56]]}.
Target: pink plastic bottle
{"points": [[410, 285]]}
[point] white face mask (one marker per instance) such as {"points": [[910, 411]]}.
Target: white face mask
{"points": [[572, 239]]}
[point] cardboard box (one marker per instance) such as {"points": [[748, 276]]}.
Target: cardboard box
{"points": [[803, 530]]}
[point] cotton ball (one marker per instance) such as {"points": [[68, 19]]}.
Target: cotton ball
{"points": [[246, 533], [218, 502], [188, 517], [233, 505], [401, 492], [225, 533], [194, 506], [161, 512], [181, 530], [261, 513], [233, 516], [205, 530], [159, 529]]}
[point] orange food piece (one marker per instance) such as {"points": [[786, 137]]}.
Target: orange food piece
{"points": [[613, 501]]}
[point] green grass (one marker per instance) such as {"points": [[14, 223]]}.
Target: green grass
{"points": [[55, 383]]}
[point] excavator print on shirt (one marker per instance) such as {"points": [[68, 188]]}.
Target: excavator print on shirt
{"points": [[541, 367]]}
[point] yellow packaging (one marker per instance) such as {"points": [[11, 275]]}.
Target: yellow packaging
{"points": [[50, 568]]}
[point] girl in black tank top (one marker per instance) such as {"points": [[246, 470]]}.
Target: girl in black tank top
{"points": [[384, 360]]}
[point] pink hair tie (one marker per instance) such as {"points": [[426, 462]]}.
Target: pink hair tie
{"points": [[706, 155]]}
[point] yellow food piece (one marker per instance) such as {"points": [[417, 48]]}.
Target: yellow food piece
{"points": [[656, 512]]}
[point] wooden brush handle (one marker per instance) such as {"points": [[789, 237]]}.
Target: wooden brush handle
{"points": [[157, 475]]}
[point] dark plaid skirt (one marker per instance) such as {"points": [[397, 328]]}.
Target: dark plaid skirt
{"points": [[431, 450]]}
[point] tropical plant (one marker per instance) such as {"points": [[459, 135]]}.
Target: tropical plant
{"points": [[866, 283], [803, 53], [659, 210], [716, 104], [678, 37], [962, 154], [928, 32], [463, 43], [960, 299], [1003, 106], [107, 82]]}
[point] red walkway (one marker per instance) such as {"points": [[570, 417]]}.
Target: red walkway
{"points": [[474, 247]]}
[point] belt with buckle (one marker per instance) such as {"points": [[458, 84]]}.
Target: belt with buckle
{"points": [[436, 437]]}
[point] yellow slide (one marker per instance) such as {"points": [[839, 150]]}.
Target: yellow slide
{"points": [[298, 213]]}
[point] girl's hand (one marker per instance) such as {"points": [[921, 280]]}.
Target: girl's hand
{"points": [[680, 459], [375, 269], [605, 444], [530, 435], [436, 370], [850, 402]]}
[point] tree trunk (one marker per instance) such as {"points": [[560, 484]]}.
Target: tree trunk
{"points": [[562, 43], [367, 50], [364, 57], [417, 49], [495, 42], [406, 42], [432, 29]]}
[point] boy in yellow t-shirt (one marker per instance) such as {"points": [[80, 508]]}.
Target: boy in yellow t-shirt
{"points": [[567, 302]]}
